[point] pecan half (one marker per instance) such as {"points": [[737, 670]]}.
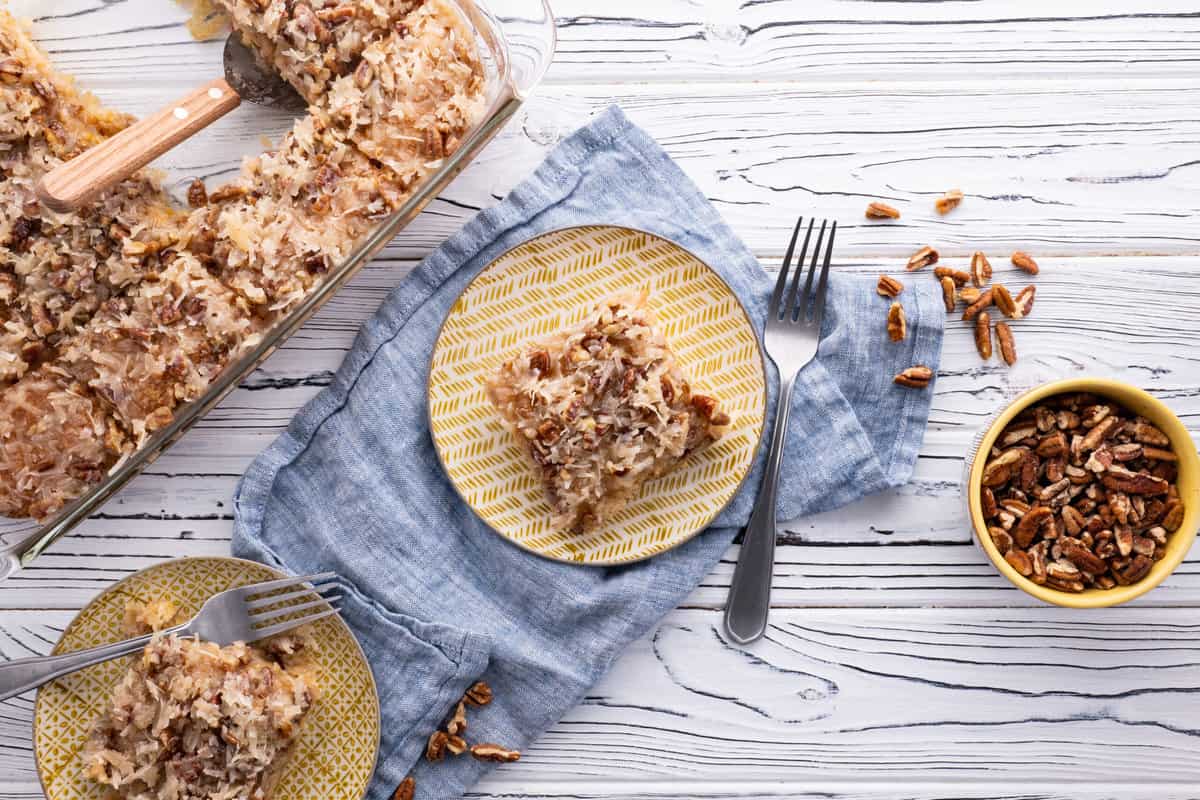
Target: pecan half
{"points": [[877, 210], [948, 201], [980, 304], [1121, 479], [981, 269], [983, 335], [456, 745], [960, 278], [480, 694], [948, 294], [917, 377], [487, 751], [1024, 301], [897, 325], [1003, 300], [458, 720], [968, 294], [1020, 561], [1023, 261], [1008, 348], [922, 258], [889, 286], [406, 790], [1146, 433], [435, 748]]}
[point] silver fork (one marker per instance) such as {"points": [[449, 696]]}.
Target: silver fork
{"points": [[790, 338], [235, 615]]}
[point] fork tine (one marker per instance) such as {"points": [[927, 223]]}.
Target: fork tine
{"points": [[271, 630], [802, 307], [283, 583], [819, 300], [781, 281], [790, 306], [252, 605], [279, 612]]}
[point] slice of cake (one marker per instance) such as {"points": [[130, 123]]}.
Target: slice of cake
{"points": [[191, 720], [602, 408]]}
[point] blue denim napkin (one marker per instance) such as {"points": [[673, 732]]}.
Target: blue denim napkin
{"points": [[435, 597]]}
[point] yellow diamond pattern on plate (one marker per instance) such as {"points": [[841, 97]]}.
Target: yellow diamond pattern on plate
{"points": [[549, 283], [335, 755]]}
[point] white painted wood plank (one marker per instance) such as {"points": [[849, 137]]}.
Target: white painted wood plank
{"points": [[718, 40], [1058, 169], [842, 697]]}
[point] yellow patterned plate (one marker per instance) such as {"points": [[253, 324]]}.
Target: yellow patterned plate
{"points": [[551, 282], [335, 755]]}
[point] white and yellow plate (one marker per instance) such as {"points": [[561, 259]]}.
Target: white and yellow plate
{"points": [[335, 755], [551, 282]]}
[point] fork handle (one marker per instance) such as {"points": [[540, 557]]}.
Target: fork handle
{"points": [[750, 592], [23, 674]]}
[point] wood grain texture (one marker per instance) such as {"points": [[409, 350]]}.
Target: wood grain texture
{"points": [[899, 665], [842, 697]]}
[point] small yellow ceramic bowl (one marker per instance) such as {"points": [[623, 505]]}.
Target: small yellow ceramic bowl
{"points": [[1139, 402]]}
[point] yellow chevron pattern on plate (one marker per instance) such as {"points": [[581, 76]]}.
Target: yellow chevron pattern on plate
{"points": [[549, 283], [335, 755]]}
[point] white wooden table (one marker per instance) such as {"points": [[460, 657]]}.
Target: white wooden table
{"points": [[898, 664]]}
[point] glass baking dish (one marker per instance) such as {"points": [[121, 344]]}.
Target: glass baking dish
{"points": [[516, 39]]}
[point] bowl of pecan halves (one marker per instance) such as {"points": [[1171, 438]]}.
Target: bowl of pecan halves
{"points": [[1085, 492]]}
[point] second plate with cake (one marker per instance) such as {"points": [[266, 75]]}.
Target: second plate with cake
{"points": [[596, 395]]}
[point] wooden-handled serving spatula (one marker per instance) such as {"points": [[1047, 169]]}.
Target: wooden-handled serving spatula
{"points": [[74, 183]]}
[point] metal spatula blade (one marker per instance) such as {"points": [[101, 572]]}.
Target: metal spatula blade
{"points": [[255, 83]]}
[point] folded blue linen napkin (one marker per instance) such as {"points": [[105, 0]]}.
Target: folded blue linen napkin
{"points": [[435, 597]]}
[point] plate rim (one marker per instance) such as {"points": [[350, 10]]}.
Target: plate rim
{"points": [[607, 562], [37, 702]]}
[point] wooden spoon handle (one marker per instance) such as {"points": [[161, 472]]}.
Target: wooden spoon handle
{"points": [[70, 185]]}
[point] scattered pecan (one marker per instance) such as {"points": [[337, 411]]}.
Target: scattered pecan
{"points": [[458, 720], [480, 694], [1008, 348], [1023, 261], [917, 377], [197, 194], [969, 295], [922, 258], [1003, 300], [456, 745], [487, 751], [877, 210], [1074, 500], [949, 298], [948, 201], [984, 300], [897, 325], [889, 286], [981, 269], [1024, 301], [960, 278], [406, 790], [435, 748], [983, 335]]}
